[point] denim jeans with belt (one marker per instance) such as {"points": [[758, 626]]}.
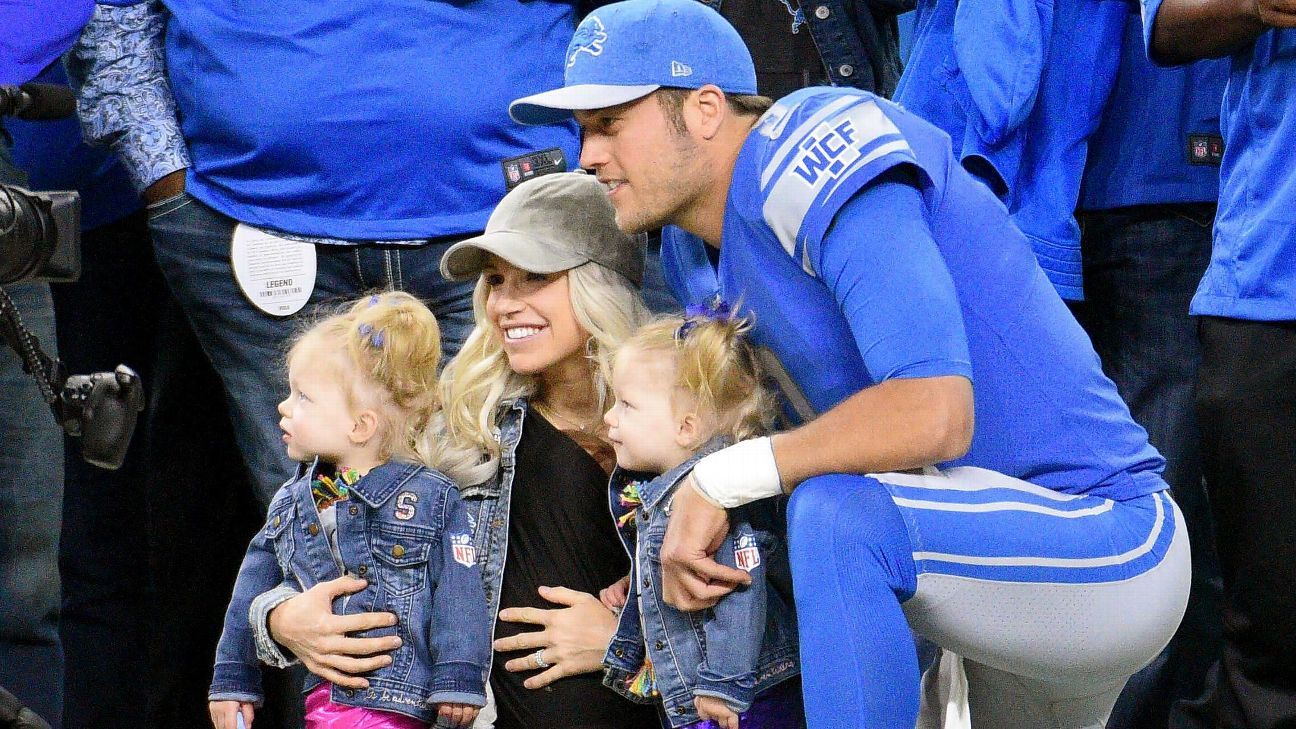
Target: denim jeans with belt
{"points": [[31, 504], [247, 347]]}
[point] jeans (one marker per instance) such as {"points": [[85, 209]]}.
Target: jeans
{"points": [[192, 245], [1141, 267], [31, 502], [1247, 405]]}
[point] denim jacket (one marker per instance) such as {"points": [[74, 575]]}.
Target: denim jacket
{"points": [[744, 645], [858, 40], [487, 513], [404, 529]]}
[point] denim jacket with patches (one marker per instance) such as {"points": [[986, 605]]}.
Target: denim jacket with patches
{"points": [[487, 512], [405, 529], [745, 644]]}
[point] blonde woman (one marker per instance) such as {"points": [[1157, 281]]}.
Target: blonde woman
{"points": [[522, 432]]}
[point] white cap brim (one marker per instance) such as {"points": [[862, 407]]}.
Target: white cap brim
{"points": [[557, 105]]}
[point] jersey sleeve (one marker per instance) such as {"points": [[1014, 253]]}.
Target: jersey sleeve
{"points": [[816, 156], [884, 269]]}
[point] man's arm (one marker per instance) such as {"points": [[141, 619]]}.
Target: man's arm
{"points": [[1180, 31], [34, 33], [118, 69], [881, 262]]}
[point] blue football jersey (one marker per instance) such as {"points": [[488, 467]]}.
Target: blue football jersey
{"points": [[864, 252]]}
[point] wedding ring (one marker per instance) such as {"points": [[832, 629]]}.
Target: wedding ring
{"points": [[538, 657]]}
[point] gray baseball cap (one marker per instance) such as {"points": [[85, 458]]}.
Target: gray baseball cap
{"points": [[549, 224]]}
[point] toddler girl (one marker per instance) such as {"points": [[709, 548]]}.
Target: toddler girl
{"points": [[685, 388], [365, 501]]}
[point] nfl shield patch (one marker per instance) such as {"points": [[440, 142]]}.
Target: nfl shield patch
{"points": [[746, 554], [464, 552]]}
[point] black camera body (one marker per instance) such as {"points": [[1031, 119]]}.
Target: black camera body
{"points": [[40, 235]]}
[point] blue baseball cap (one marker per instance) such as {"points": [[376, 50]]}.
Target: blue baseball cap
{"points": [[627, 50]]}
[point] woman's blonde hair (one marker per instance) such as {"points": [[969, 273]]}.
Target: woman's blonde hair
{"points": [[716, 365], [478, 380], [385, 348]]}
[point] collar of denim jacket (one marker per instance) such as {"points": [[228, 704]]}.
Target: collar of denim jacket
{"points": [[652, 492], [375, 487]]}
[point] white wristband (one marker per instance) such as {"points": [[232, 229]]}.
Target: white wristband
{"points": [[737, 475]]}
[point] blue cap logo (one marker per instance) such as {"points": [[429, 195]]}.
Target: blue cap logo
{"points": [[589, 38]]}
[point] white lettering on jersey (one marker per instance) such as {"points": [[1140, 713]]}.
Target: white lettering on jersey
{"points": [[822, 153]]}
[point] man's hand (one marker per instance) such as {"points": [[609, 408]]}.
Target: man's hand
{"points": [[224, 713], [169, 186], [715, 709], [307, 626], [574, 637], [691, 578]]}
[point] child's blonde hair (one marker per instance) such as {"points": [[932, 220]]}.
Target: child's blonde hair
{"points": [[385, 348], [715, 364]]}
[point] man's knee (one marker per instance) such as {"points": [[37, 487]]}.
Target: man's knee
{"points": [[818, 503]]}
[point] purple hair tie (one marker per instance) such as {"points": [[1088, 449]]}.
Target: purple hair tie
{"points": [[714, 310]]}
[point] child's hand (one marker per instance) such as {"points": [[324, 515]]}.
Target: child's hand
{"points": [[715, 709], [613, 596], [223, 714], [457, 715]]}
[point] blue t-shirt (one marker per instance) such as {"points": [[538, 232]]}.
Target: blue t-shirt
{"points": [[1159, 140], [373, 119], [1252, 273], [34, 33], [864, 252], [1019, 85]]}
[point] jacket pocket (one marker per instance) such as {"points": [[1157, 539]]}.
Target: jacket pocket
{"points": [[401, 554]]}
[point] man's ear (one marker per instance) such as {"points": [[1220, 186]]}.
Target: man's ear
{"points": [[364, 427], [710, 110]]}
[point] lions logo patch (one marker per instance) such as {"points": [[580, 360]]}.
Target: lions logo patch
{"points": [[746, 554], [463, 550], [589, 38]]}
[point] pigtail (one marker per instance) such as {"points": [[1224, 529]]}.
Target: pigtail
{"points": [[396, 342]]}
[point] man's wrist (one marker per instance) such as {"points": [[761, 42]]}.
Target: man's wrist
{"points": [[740, 474]]}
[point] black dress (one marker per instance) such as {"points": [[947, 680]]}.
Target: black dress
{"points": [[560, 534]]}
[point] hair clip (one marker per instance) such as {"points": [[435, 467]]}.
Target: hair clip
{"points": [[377, 339], [365, 329], [373, 300], [713, 310]]}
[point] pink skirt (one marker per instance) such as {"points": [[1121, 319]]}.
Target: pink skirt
{"points": [[322, 713]]}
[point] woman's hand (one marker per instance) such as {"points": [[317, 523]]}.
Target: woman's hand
{"points": [[307, 626], [574, 637]]}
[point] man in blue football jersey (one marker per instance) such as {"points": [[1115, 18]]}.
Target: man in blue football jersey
{"points": [[1013, 512]]}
